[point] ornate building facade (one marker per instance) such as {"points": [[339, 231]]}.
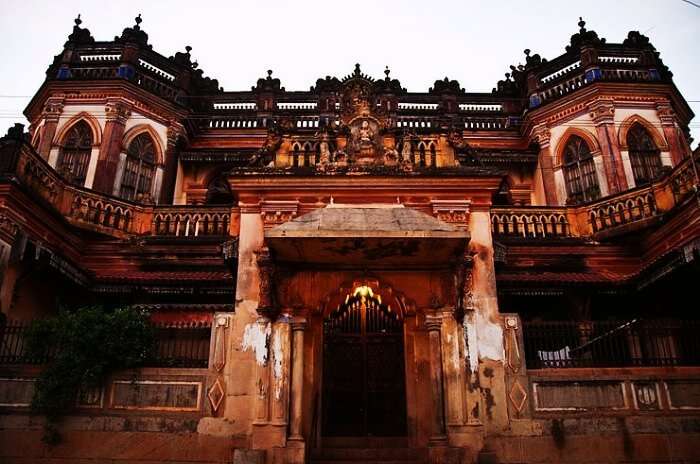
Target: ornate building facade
{"points": [[359, 272]]}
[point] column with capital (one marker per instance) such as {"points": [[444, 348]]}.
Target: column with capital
{"points": [[51, 113], [676, 142], [545, 164], [106, 175], [176, 133], [602, 113]]}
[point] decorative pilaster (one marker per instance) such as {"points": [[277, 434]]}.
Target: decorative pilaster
{"points": [[216, 392], [298, 328], [117, 113], [438, 435], [175, 133], [51, 113], [671, 132], [545, 163], [602, 113]]}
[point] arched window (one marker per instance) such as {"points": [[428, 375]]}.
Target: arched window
{"points": [[644, 155], [139, 168], [75, 153], [579, 171]]}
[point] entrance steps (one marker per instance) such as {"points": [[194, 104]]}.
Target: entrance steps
{"points": [[367, 450]]}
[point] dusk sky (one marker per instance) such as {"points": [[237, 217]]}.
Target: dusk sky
{"points": [[420, 41]]}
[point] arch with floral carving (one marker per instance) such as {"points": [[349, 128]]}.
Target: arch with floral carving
{"points": [[653, 132], [89, 119], [587, 136], [578, 166], [135, 131], [390, 296]]}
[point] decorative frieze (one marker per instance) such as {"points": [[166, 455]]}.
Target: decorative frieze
{"points": [[452, 211], [278, 212]]}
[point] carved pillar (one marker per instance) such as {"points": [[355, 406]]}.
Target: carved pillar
{"points": [[671, 133], [50, 115], [117, 113], [298, 328], [437, 433], [545, 164], [170, 162], [602, 114]]}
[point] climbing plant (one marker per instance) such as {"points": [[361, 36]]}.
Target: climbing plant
{"points": [[85, 346]]}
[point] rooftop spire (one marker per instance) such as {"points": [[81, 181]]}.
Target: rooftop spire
{"points": [[134, 34], [581, 24], [80, 35]]}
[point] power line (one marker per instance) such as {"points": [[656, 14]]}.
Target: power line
{"points": [[691, 3]]}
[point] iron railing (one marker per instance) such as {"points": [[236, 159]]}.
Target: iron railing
{"points": [[623, 343], [175, 345], [13, 345], [181, 345]]}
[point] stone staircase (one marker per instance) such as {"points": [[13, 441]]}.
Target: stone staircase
{"points": [[368, 450]]}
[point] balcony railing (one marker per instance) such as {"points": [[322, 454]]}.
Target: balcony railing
{"points": [[609, 216], [110, 215], [191, 222], [630, 343], [182, 345], [530, 222], [176, 345]]}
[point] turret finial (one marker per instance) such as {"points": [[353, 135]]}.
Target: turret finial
{"points": [[138, 21], [582, 24], [78, 21]]}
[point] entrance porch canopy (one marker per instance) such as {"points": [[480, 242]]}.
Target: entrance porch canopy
{"points": [[384, 235]]}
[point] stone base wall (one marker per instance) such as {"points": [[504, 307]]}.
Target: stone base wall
{"points": [[101, 439], [598, 440], [151, 440]]}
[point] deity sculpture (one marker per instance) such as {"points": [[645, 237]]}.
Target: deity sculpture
{"points": [[366, 133], [325, 153]]}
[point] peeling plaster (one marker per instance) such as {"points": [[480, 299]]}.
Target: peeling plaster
{"points": [[490, 339], [255, 337], [483, 340], [471, 352]]}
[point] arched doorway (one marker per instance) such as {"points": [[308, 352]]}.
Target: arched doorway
{"points": [[364, 388]]}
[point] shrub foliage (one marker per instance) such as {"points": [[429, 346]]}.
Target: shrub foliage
{"points": [[86, 345]]}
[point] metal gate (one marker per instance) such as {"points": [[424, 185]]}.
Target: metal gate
{"points": [[364, 390]]}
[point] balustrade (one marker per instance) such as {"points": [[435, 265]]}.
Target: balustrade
{"points": [[530, 222], [623, 210], [191, 222], [99, 210]]}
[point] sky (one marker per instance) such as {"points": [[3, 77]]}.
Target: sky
{"points": [[301, 41]]}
